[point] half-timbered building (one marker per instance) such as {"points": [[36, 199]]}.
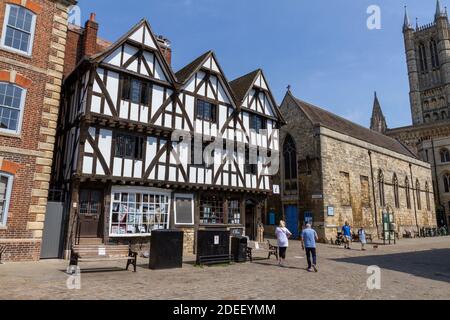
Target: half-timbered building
{"points": [[132, 139]]}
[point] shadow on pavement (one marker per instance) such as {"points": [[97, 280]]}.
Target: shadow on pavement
{"points": [[431, 264]]}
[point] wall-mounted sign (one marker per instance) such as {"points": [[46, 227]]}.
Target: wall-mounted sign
{"points": [[330, 211], [236, 232], [216, 240], [317, 196], [276, 189], [308, 217]]}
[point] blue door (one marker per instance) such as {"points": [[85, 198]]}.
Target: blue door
{"points": [[292, 221]]}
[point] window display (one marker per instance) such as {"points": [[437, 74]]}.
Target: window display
{"points": [[138, 213]]}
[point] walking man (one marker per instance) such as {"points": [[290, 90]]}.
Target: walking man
{"points": [[309, 238], [347, 233]]}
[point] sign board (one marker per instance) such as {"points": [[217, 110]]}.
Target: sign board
{"points": [[330, 211], [276, 189], [102, 251], [317, 196], [236, 232], [216, 240], [308, 217]]}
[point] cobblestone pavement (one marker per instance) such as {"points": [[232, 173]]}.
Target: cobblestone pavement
{"points": [[413, 269]]}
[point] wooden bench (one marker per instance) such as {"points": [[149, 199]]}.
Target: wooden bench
{"points": [[102, 253], [267, 248]]}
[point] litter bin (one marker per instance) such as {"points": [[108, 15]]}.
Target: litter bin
{"points": [[213, 246], [166, 249], [239, 249]]}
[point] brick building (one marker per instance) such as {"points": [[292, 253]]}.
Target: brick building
{"points": [[32, 49], [333, 171]]}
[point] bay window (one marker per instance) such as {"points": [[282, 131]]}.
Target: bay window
{"points": [[136, 212]]}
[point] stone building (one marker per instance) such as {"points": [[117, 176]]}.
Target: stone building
{"points": [[333, 171], [428, 59], [32, 47]]}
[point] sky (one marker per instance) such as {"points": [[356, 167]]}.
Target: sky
{"points": [[323, 49]]}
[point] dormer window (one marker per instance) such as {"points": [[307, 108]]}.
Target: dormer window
{"points": [[18, 29]]}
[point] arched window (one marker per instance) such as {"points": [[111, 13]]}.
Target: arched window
{"points": [[12, 100], [381, 188], [445, 155], [19, 29], [434, 54], [427, 191], [423, 58], [408, 193], [418, 195], [427, 118], [435, 116], [447, 182], [396, 194], [290, 165]]}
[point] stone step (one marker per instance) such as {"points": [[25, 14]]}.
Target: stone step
{"points": [[91, 241]]}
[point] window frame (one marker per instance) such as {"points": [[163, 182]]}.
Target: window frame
{"points": [[260, 120], [214, 111], [445, 155], [139, 142], [183, 196], [4, 217], [136, 190], [5, 27], [210, 199], [21, 111]]}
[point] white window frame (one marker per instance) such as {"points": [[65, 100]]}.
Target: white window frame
{"points": [[32, 32], [183, 195], [10, 177], [22, 111], [154, 191]]}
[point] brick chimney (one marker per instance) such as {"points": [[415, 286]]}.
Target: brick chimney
{"points": [[166, 50], [90, 36]]}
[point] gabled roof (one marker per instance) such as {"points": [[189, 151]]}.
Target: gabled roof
{"points": [[321, 117], [188, 71], [99, 56], [242, 86]]}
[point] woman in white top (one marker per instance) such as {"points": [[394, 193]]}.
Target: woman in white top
{"points": [[283, 235]]}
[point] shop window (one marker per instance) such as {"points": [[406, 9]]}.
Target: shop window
{"points": [[12, 100], [6, 182], [18, 30], [184, 209], [138, 212], [234, 212], [211, 210]]}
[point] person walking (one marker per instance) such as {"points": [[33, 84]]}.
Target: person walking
{"points": [[309, 238], [282, 234], [362, 238], [347, 233]]}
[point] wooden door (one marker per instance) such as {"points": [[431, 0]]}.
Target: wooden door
{"points": [[90, 214], [250, 221]]}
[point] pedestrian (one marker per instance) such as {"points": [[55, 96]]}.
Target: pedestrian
{"points": [[309, 238], [283, 235], [362, 238], [347, 233]]}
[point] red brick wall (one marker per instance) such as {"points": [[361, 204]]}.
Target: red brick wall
{"points": [[21, 151], [73, 49]]}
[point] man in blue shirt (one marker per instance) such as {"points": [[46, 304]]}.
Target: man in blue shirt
{"points": [[347, 233], [309, 238]]}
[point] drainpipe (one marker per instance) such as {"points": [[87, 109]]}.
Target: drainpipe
{"points": [[414, 196], [373, 191]]}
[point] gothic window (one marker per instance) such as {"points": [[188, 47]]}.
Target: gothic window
{"points": [[427, 191], [408, 193], [423, 58], [290, 165], [447, 182], [434, 54], [418, 196], [381, 188], [442, 102], [445, 155], [396, 192], [19, 29], [365, 193]]}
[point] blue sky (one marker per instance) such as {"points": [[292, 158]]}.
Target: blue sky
{"points": [[322, 48]]}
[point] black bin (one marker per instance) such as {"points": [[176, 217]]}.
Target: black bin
{"points": [[239, 249], [213, 246], [166, 249]]}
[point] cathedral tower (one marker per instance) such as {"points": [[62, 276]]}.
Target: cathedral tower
{"points": [[428, 58]]}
